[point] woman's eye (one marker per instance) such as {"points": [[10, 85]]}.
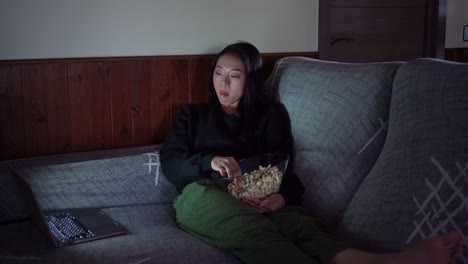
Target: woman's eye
{"points": [[235, 76], [217, 73]]}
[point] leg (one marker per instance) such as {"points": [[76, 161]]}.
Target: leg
{"points": [[219, 219], [300, 228], [306, 233], [443, 249]]}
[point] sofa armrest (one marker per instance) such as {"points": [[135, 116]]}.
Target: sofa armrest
{"points": [[109, 182]]}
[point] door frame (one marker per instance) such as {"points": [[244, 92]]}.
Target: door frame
{"points": [[435, 25]]}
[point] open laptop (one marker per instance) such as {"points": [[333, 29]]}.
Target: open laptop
{"points": [[69, 226]]}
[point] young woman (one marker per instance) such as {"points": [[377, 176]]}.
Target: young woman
{"points": [[243, 119]]}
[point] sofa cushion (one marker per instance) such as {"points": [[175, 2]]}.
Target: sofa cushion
{"points": [[338, 115], [153, 237], [419, 185], [124, 180]]}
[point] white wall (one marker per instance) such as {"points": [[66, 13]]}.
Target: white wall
{"points": [[88, 28], [457, 17]]}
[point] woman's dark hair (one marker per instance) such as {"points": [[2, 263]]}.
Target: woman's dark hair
{"points": [[255, 99]]}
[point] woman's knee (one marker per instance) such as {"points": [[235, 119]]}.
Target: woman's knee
{"points": [[200, 199], [203, 203], [191, 196]]}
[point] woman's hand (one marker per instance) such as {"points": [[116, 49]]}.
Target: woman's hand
{"points": [[274, 202], [227, 167], [270, 204]]}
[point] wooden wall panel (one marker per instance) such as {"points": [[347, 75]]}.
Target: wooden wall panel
{"points": [[58, 108], [35, 109], [161, 98], [142, 126], [179, 86], [122, 99], [51, 106], [457, 54], [79, 90], [11, 112], [101, 105], [199, 79]]}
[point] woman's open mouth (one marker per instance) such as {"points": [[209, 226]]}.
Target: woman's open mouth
{"points": [[223, 93]]}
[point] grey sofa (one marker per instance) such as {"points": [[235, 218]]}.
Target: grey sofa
{"points": [[382, 149]]}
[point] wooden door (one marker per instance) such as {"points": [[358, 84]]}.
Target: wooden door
{"points": [[381, 30]]}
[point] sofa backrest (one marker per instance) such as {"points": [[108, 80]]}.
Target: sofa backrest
{"points": [[338, 113], [418, 186]]}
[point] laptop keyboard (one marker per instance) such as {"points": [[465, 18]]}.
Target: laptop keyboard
{"points": [[65, 227]]}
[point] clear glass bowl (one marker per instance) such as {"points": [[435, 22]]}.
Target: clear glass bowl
{"points": [[257, 184]]}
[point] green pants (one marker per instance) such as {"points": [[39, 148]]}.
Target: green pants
{"points": [[288, 235]]}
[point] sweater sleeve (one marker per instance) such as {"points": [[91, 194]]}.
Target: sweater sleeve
{"points": [[276, 137], [179, 163]]}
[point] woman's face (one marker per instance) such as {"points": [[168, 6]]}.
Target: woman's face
{"points": [[229, 80]]}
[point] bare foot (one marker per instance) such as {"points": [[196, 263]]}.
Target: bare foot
{"points": [[443, 249]]}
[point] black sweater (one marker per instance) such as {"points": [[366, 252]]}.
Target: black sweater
{"points": [[205, 130]]}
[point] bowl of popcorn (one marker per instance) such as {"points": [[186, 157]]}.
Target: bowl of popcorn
{"points": [[261, 176]]}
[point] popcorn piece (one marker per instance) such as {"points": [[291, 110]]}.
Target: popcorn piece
{"points": [[258, 184]]}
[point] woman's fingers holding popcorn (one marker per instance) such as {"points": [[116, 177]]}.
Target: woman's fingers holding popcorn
{"points": [[226, 166], [232, 167]]}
